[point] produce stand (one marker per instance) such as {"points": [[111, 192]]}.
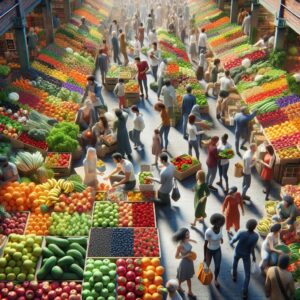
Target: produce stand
{"points": [[60, 171]]}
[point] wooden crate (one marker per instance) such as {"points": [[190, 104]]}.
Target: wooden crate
{"points": [[189, 172], [61, 171], [132, 98], [145, 187]]}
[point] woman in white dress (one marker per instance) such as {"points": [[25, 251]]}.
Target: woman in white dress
{"points": [[90, 168]]}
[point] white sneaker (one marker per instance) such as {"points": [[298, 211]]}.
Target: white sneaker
{"points": [[139, 148]]}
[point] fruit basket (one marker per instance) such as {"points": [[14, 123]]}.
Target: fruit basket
{"points": [[185, 166], [60, 163], [144, 183], [123, 242], [123, 214]]}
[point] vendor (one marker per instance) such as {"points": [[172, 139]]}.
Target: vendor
{"points": [[86, 116], [286, 211], [83, 26], [9, 171], [213, 84], [262, 43], [93, 88], [99, 130], [124, 173]]}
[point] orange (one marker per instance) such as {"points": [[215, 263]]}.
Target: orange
{"points": [[158, 280], [160, 270], [147, 296], [152, 288], [150, 274], [156, 296], [155, 262], [145, 261], [150, 268]]}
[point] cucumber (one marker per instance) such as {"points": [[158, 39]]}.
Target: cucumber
{"points": [[80, 262], [69, 276], [80, 240], [79, 248], [47, 252], [65, 261], [60, 242], [57, 272], [75, 254], [46, 268], [76, 270], [56, 250]]}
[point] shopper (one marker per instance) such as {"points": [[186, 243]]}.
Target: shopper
{"points": [[269, 253], [8, 170], [202, 65], [169, 97], [246, 25], [227, 84], [93, 91], [188, 101], [202, 41], [165, 124], [279, 281], [241, 16], [193, 134], [119, 91], [212, 162], [249, 161], [86, 116], [116, 48], [90, 168], [102, 64], [267, 169], [193, 45], [200, 198], [152, 38], [154, 60], [137, 47], [156, 146], [141, 34], [149, 24], [83, 26], [166, 180], [124, 173], [123, 46], [123, 144], [247, 240], [161, 73], [138, 127], [185, 271], [32, 42], [212, 244], [100, 130], [172, 289], [105, 49], [223, 163], [114, 27], [241, 124], [213, 82], [142, 67], [230, 208], [286, 211]]}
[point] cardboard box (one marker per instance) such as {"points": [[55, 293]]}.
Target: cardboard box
{"points": [[145, 187]]}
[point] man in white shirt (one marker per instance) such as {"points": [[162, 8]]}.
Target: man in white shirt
{"points": [[227, 83], [246, 26], [138, 127], [249, 161], [169, 94], [154, 59], [202, 41], [161, 75], [124, 173]]}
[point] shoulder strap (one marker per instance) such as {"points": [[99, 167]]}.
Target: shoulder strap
{"points": [[283, 291]]}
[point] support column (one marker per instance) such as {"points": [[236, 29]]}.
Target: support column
{"points": [[254, 20], [280, 29], [67, 8], [234, 10], [221, 4], [48, 21]]}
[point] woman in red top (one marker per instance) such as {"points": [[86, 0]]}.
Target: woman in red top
{"points": [[231, 209], [267, 170], [143, 68], [212, 162]]}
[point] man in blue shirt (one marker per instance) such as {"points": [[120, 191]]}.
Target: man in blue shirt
{"points": [[247, 240], [187, 104], [241, 124]]}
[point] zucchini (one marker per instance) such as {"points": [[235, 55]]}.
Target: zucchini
{"points": [[60, 242], [56, 250], [46, 268], [47, 252], [79, 248], [80, 240], [65, 261], [76, 270], [75, 254], [57, 272]]}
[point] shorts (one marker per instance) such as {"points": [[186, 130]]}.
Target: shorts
{"points": [[122, 101]]}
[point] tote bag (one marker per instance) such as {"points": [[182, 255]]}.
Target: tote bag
{"points": [[175, 192], [204, 274]]}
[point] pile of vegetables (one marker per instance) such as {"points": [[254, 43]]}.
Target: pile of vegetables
{"points": [[184, 162]]}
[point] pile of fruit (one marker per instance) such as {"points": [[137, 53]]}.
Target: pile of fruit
{"points": [[41, 290], [27, 140], [143, 177], [264, 225], [20, 257], [123, 242], [270, 207], [63, 259], [131, 87], [14, 223], [58, 160], [139, 196], [65, 224], [38, 224], [184, 162]]}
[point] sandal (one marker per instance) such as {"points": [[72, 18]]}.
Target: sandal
{"points": [[192, 296]]}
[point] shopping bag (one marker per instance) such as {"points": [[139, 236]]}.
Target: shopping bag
{"points": [[238, 170], [175, 192], [255, 269], [204, 274]]}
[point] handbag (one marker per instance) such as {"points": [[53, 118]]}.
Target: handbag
{"points": [[175, 192], [255, 269], [204, 274], [283, 291]]}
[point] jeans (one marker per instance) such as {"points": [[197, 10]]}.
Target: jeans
{"points": [[217, 256], [185, 118], [164, 132], [211, 175], [135, 135], [141, 83], [268, 258], [154, 72], [160, 84], [247, 267], [103, 75], [237, 141], [223, 172], [129, 185], [163, 198], [195, 145], [116, 57], [246, 184]]}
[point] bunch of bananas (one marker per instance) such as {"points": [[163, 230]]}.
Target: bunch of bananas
{"points": [[264, 225], [270, 207]]}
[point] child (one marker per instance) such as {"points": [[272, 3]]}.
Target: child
{"points": [[156, 145], [119, 91]]}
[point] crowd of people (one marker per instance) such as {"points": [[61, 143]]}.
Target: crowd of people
{"points": [[137, 27]]}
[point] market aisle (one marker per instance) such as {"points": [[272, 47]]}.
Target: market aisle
{"points": [[181, 213]]}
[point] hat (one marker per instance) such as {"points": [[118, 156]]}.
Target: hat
{"points": [[172, 285], [289, 199], [232, 190]]}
